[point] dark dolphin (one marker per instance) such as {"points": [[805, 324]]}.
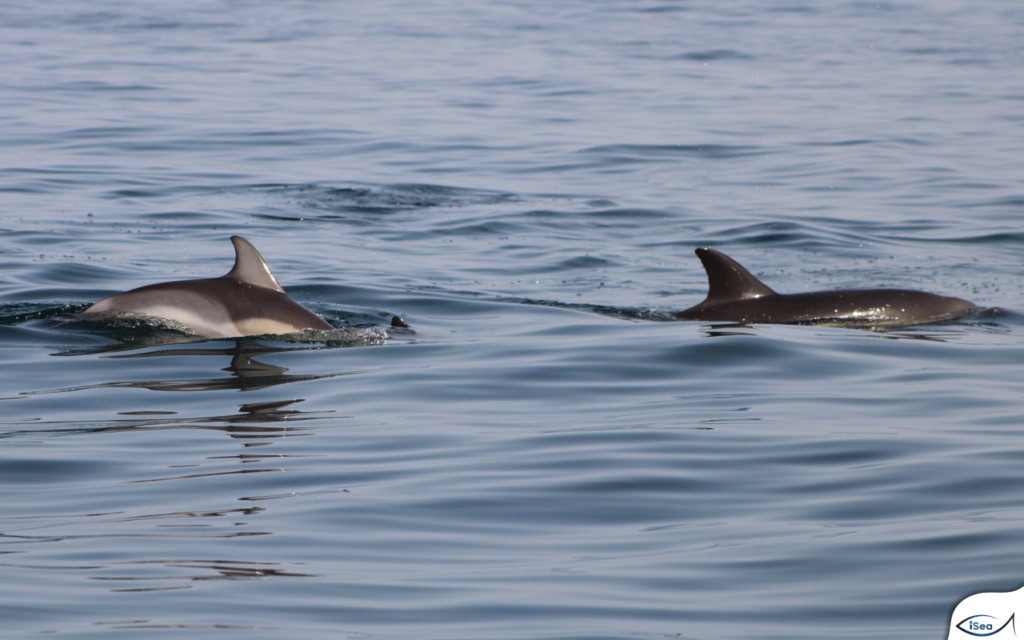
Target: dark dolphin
{"points": [[736, 296], [246, 301]]}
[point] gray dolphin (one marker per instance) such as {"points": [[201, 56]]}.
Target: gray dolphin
{"points": [[246, 301], [734, 295]]}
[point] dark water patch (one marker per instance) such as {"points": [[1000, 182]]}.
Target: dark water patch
{"points": [[69, 270], [580, 262], [906, 141], [22, 312], [934, 51], [544, 213], [638, 152], [795, 8], [180, 216], [43, 471], [17, 337], [1010, 202], [105, 133], [626, 214], [713, 55], [663, 8], [972, 62], [18, 240], [840, 143], [780, 233], [825, 233], [152, 189], [842, 453], [386, 198], [461, 229], [159, 143], [61, 180], [997, 239], [747, 350]]}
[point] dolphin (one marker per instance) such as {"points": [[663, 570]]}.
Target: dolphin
{"points": [[245, 301], [734, 295]]}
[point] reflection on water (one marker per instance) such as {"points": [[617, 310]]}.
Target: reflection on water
{"points": [[202, 570], [247, 373], [141, 573], [253, 420], [198, 514], [250, 422]]}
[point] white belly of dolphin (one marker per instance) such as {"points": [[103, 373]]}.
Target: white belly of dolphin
{"points": [[204, 326], [263, 326], [201, 325]]}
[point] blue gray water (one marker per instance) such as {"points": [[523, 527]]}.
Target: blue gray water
{"points": [[524, 183]]}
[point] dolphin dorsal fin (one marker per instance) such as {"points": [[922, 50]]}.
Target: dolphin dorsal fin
{"points": [[250, 267], [728, 280]]}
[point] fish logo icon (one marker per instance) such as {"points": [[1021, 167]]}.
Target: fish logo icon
{"points": [[986, 615], [983, 626]]}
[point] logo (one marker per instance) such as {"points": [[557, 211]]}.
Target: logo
{"points": [[987, 615], [982, 626]]}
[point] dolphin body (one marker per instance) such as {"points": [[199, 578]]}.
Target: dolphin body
{"points": [[734, 295], [246, 301]]}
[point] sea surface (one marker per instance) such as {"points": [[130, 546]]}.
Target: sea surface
{"points": [[524, 183]]}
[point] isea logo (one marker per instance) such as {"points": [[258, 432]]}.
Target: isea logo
{"points": [[987, 615], [983, 626]]}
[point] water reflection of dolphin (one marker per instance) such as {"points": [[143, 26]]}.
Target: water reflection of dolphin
{"points": [[734, 295], [248, 374], [246, 301], [256, 420]]}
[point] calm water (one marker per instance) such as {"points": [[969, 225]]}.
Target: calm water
{"points": [[523, 183]]}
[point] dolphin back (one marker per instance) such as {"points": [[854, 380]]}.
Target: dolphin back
{"points": [[734, 295], [247, 300]]}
